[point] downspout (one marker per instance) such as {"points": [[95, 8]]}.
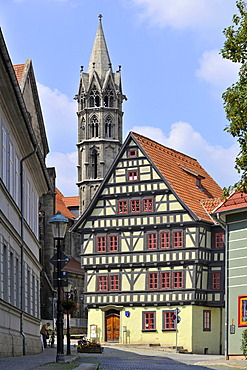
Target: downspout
{"points": [[22, 250], [224, 225]]}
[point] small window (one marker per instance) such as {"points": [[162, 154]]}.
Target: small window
{"points": [[113, 243], [148, 205], [177, 279], [153, 280], [132, 153], [114, 282], [148, 321], [177, 239], [123, 206], [100, 244], [165, 280], [135, 206], [219, 240], [165, 240], [215, 280], [132, 175], [206, 320], [152, 241], [102, 283], [168, 322]]}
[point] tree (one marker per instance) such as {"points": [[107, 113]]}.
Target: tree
{"points": [[235, 97]]}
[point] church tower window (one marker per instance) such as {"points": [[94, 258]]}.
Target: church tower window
{"points": [[94, 100], [108, 97], [95, 164], [94, 127], [108, 127]]}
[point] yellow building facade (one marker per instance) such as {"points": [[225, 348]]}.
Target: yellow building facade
{"points": [[149, 247]]}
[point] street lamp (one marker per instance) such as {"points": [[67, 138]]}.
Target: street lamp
{"points": [[59, 226], [68, 295]]}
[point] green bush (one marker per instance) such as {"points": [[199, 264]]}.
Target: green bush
{"points": [[244, 342]]}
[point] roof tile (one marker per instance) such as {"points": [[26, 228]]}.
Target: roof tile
{"points": [[184, 174]]}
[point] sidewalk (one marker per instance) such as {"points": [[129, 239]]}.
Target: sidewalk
{"points": [[48, 356]]}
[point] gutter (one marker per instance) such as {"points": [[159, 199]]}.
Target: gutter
{"points": [[224, 226], [22, 249]]}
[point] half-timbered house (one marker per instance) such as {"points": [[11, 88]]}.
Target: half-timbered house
{"points": [[149, 246]]}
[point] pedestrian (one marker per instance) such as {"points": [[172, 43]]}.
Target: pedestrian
{"points": [[45, 333], [52, 339]]}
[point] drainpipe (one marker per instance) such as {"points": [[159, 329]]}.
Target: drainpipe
{"points": [[224, 225], [22, 250]]}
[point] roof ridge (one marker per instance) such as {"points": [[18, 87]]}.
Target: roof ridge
{"points": [[169, 150]]}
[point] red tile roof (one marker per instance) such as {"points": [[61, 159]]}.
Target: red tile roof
{"points": [[233, 202], [61, 206], [183, 174], [74, 266], [19, 69], [71, 201]]}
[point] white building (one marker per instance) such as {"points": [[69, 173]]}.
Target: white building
{"points": [[23, 179]]}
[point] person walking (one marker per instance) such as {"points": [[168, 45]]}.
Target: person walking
{"points": [[45, 333]]}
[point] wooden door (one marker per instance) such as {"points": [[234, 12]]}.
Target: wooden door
{"points": [[112, 327]]}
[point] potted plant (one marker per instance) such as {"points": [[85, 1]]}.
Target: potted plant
{"points": [[68, 304]]}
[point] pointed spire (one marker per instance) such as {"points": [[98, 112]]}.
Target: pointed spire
{"points": [[100, 58]]}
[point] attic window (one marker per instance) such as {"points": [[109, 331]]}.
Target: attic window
{"points": [[196, 175], [132, 153], [199, 184]]}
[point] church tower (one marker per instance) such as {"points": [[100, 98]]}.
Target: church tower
{"points": [[100, 119]]}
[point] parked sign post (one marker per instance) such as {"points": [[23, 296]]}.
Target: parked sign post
{"points": [[176, 320]]}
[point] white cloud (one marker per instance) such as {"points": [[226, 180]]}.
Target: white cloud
{"points": [[217, 161], [218, 72], [61, 128], [60, 119], [181, 14], [65, 165]]}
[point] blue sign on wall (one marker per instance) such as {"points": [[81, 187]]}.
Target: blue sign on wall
{"points": [[127, 313]]}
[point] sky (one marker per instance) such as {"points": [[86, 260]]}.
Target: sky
{"points": [[172, 72]]}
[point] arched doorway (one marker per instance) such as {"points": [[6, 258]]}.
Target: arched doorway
{"points": [[112, 325]]}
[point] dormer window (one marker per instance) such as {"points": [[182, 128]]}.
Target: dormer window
{"points": [[197, 176], [198, 183]]}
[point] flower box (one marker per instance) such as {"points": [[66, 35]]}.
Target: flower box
{"points": [[87, 348]]}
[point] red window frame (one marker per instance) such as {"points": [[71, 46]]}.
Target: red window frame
{"points": [[165, 240], [113, 243], [132, 153], [148, 205], [216, 280], [102, 283], [114, 282], [122, 206], [177, 279], [101, 244], [206, 320], [135, 205], [167, 320], [133, 175], [152, 241], [153, 280], [177, 239], [219, 240], [165, 280], [148, 321]]}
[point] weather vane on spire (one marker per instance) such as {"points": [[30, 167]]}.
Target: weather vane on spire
{"points": [[100, 17]]}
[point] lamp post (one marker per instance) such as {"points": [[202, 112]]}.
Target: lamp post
{"points": [[59, 226], [68, 295]]}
